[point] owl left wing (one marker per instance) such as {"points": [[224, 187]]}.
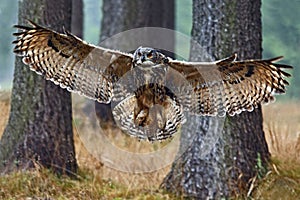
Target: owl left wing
{"points": [[229, 86], [70, 62]]}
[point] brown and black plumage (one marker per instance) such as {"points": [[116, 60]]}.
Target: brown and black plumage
{"points": [[145, 105]]}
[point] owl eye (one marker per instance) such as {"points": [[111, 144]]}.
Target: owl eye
{"points": [[149, 55]]}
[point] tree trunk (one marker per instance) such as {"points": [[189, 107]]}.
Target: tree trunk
{"points": [[39, 129], [77, 18], [122, 15], [220, 162]]}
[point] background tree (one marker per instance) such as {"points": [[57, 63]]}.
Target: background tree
{"points": [[40, 123], [77, 18], [122, 15], [240, 152]]}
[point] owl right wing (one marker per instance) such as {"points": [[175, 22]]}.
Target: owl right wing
{"points": [[70, 62]]}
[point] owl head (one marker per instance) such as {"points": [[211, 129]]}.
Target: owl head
{"points": [[146, 57]]}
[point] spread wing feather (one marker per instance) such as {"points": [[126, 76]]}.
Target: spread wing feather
{"points": [[229, 86], [70, 62]]}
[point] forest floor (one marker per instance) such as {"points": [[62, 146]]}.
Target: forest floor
{"points": [[97, 181]]}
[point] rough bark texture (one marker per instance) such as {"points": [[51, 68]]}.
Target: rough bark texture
{"points": [[40, 123], [239, 151], [122, 15]]}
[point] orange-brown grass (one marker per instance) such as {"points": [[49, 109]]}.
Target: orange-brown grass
{"points": [[4, 109], [97, 180], [282, 130]]}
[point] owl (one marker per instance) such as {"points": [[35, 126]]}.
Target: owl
{"points": [[149, 91]]}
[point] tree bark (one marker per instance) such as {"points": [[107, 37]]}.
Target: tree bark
{"points": [[122, 15], [39, 129], [239, 151]]}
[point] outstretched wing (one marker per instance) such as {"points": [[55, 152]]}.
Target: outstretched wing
{"points": [[70, 62], [229, 86]]}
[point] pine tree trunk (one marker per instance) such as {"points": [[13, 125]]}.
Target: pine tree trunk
{"points": [[224, 164], [122, 15], [39, 129]]}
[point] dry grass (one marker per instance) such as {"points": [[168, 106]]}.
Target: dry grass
{"points": [[43, 184], [4, 108], [282, 129], [97, 181]]}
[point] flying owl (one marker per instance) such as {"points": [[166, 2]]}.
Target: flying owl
{"points": [[150, 91]]}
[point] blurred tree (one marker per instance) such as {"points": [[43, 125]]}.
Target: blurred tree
{"points": [[39, 129], [92, 18], [225, 164], [122, 15], [77, 18]]}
